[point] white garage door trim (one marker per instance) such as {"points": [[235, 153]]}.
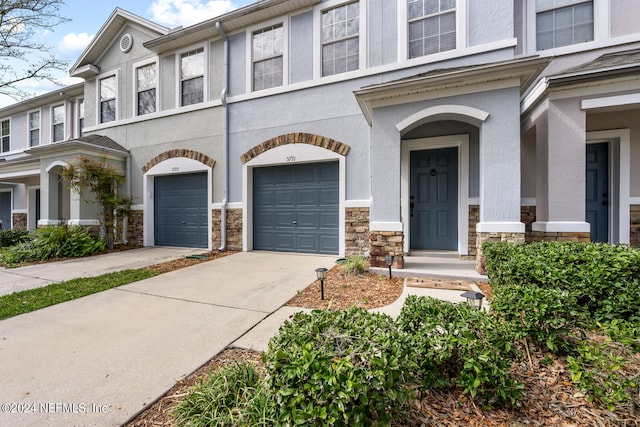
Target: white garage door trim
{"points": [[287, 155], [173, 166]]}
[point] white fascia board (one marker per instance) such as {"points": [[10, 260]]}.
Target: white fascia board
{"points": [[611, 101]]}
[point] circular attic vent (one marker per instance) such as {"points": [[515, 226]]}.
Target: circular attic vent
{"points": [[126, 42]]}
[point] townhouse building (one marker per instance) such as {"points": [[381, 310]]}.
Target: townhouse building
{"points": [[344, 127]]}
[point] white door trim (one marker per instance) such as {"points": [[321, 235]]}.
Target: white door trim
{"points": [[462, 143], [620, 169]]}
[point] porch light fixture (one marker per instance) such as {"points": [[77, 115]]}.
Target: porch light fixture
{"points": [[389, 261], [474, 299], [321, 273]]}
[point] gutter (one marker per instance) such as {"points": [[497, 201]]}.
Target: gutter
{"points": [[225, 138]]}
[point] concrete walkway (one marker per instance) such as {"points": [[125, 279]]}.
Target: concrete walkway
{"points": [[35, 276], [98, 360]]}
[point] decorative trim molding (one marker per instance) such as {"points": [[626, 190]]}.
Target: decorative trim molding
{"points": [[178, 152], [296, 138], [561, 226]]}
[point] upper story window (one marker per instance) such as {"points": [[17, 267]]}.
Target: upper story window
{"points": [[34, 128], [432, 26], [268, 57], [146, 89], [563, 22], [192, 77], [5, 136], [57, 120], [107, 99], [341, 39], [80, 117]]}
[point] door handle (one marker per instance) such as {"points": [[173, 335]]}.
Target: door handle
{"points": [[605, 203], [411, 205], [295, 222]]}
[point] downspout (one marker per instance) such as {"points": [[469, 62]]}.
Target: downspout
{"points": [[225, 139], [125, 219]]}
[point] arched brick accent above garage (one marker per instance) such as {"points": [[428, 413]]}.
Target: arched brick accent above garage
{"points": [[179, 152], [296, 138]]}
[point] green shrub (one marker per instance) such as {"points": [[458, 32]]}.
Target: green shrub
{"points": [[598, 370], [54, 242], [355, 264], [339, 368], [456, 344], [234, 395], [542, 315], [12, 237], [603, 277]]}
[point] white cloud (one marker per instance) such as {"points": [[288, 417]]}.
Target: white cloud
{"points": [[187, 12], [75, 42]]}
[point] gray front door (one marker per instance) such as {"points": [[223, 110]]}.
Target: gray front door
{"points": [[5, 210], [295, 208], [181, 214], [434, 199], [597, 191]]}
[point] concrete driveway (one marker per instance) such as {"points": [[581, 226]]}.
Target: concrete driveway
{"points": [[100, 359]]}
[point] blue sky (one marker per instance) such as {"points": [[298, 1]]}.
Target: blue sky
{"points": [[86, 18]]}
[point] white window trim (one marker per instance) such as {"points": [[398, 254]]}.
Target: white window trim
{"points": [[29, 128], [403, 30], [135, 85], [76, 115], [284, 21], [205, 84], [601, 30], [64, 121], [10, 131], [317, 37], [115, 73]]}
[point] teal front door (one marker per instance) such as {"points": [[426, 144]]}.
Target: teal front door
{"points": [[597, 191], [433, 199]]}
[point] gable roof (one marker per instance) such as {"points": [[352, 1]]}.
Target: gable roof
{"points": [[251, 14], [607, 65], [95, 143], [85, 66], [525, 70]]}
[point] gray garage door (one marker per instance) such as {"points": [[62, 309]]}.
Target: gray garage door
{"points": [[296, 208], [180, 203]]}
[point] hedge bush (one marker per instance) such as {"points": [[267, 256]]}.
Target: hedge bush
{"points": [[339, 368], [12, 237], [604, 278], [53, 242], [456, 344]]}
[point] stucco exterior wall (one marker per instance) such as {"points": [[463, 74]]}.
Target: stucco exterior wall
{"points": [[330, 111], [168, 82], [624, 17], [238, 64], [383, 42], [197, 130], [489, 21], [499, 134], [301, 47]]}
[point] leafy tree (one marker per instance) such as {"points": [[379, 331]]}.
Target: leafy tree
{"points": [[21, 56], [103, 180]]}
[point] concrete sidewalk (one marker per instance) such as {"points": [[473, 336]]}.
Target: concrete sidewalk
{"points": [[35, 276], [100, 359]]}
